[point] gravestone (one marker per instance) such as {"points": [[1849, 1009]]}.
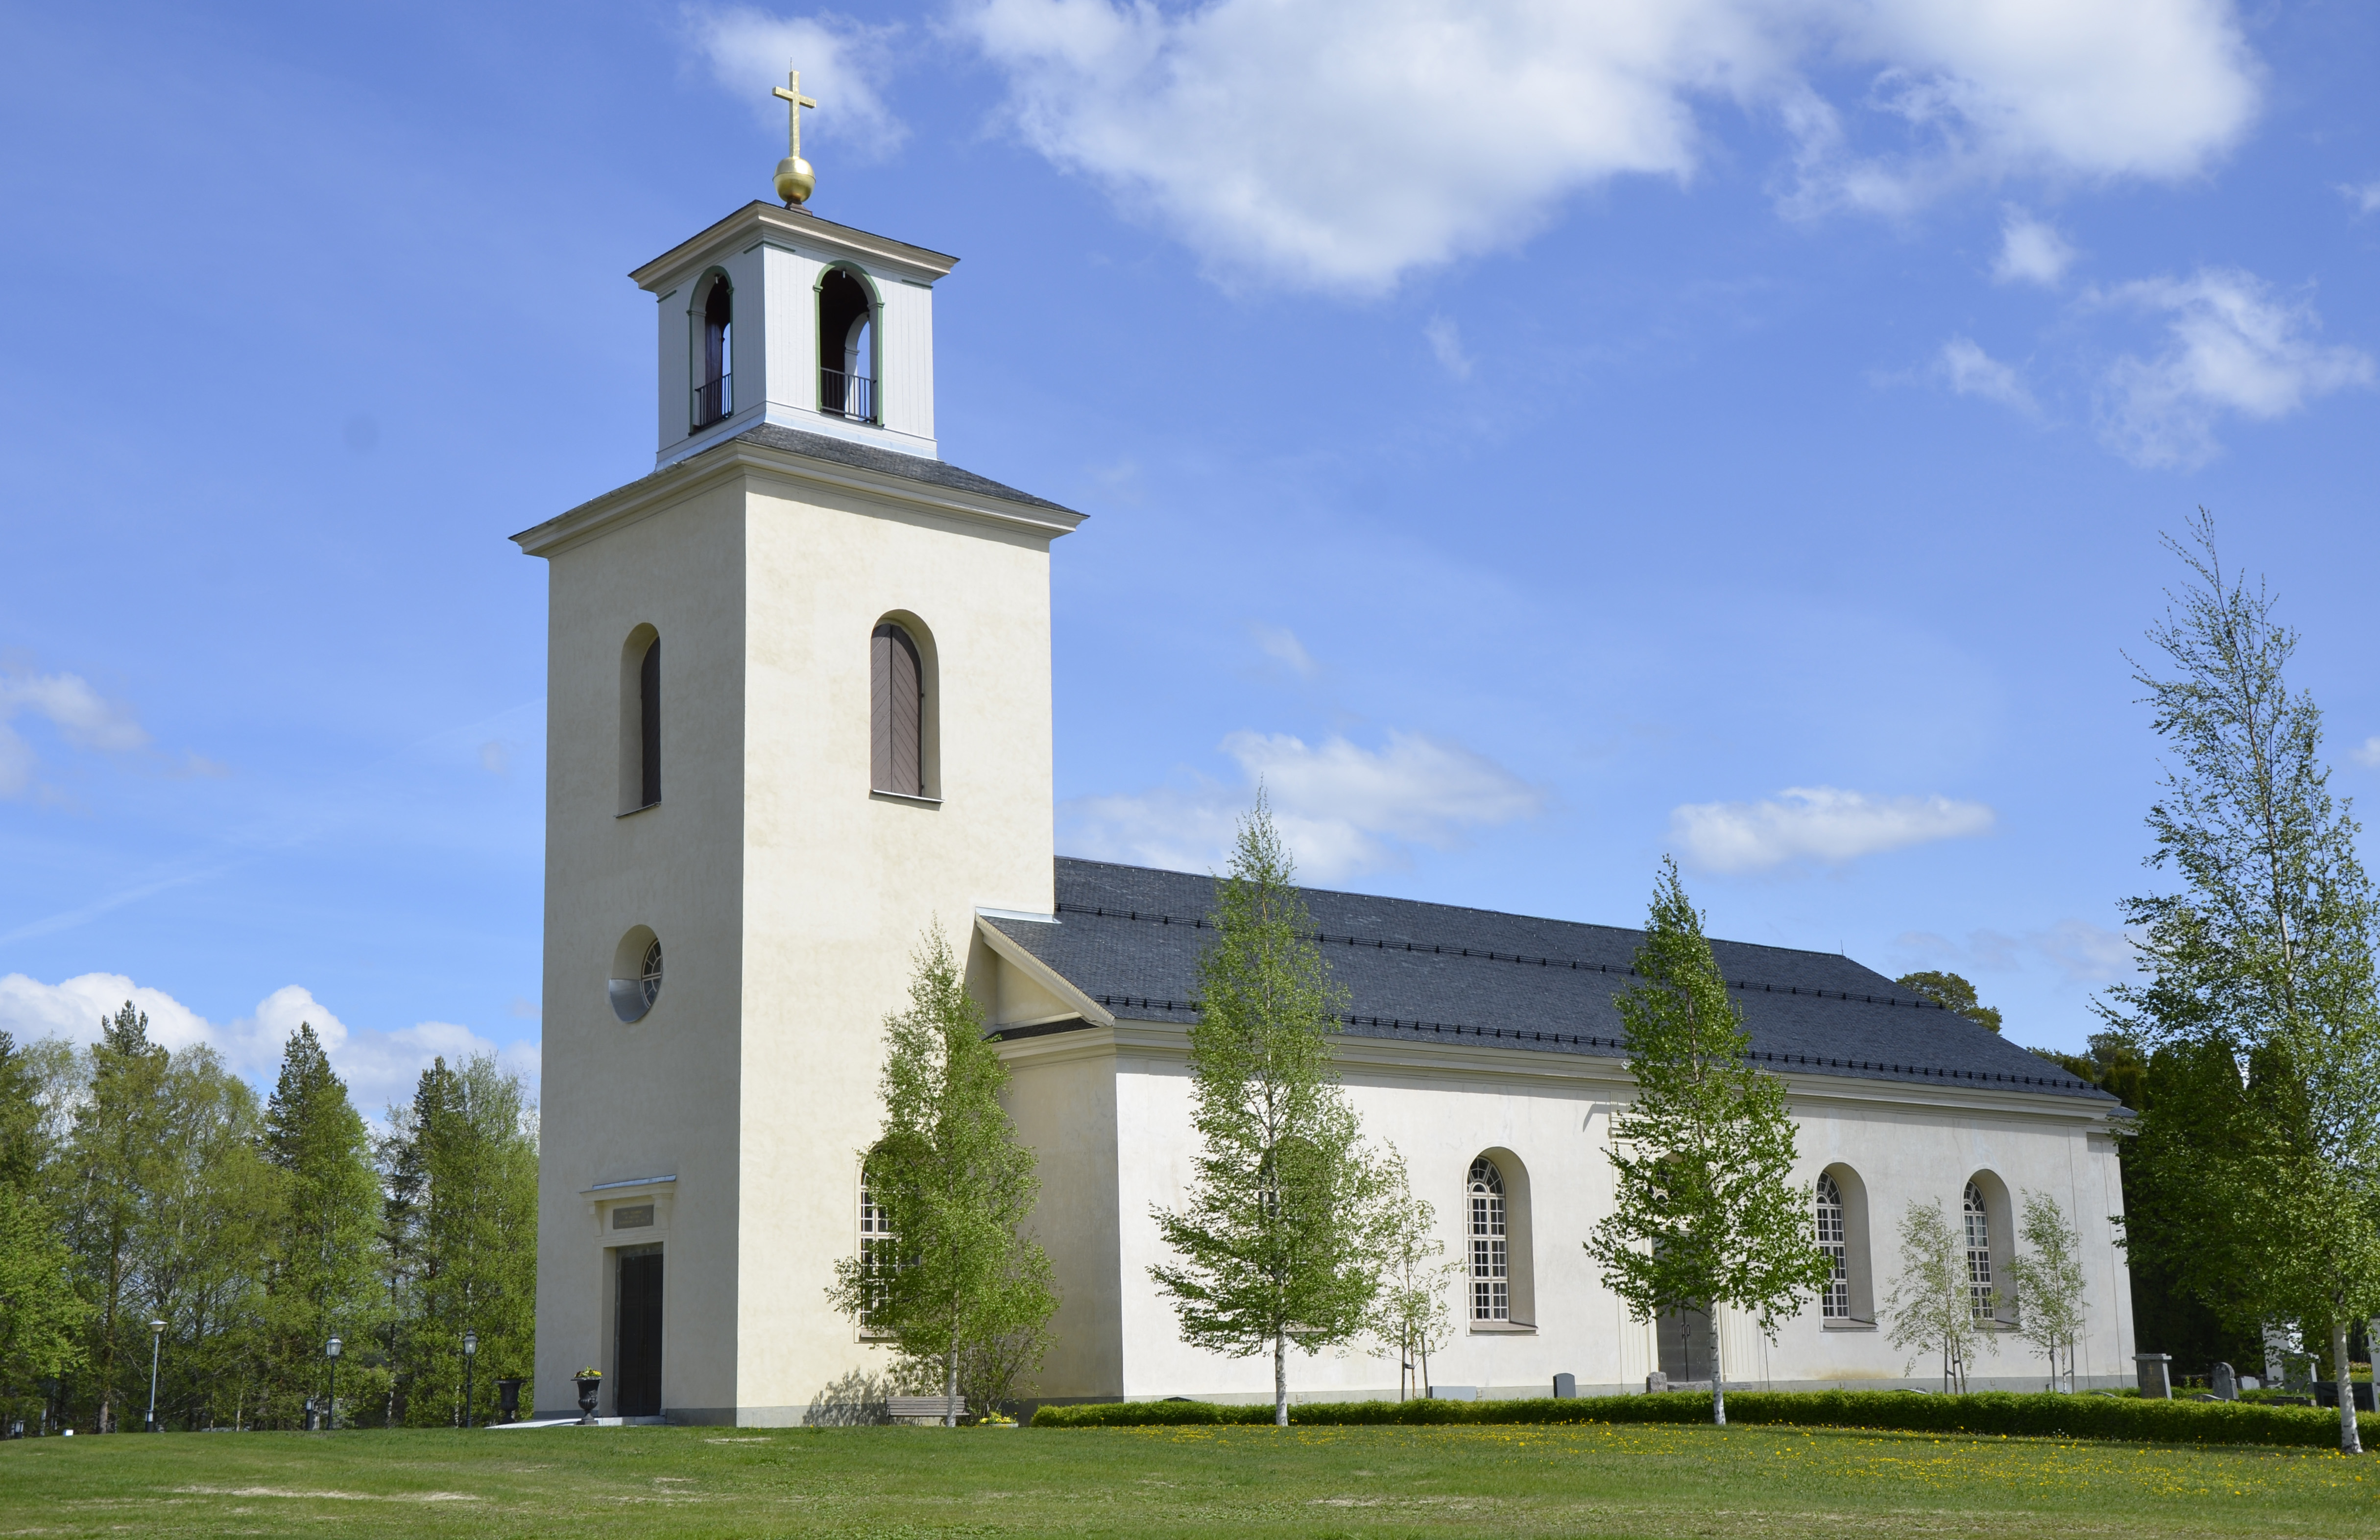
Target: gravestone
{"points": [[1565, 1387], [1454, 1392], [1656, 1382], [2155, 1381], [2223, 1383]]}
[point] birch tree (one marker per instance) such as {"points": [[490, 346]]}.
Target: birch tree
{"points": [[963, 1291], [1933, 1304], [1707, 1215], [1276, 1242], [2049, 1278], [1414, 1318], [2260, 961]]}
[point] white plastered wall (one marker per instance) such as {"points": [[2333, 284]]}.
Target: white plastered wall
{"points": [[1442, 1108]]}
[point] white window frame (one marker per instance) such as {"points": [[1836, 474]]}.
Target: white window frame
{"points": [[1979, 1253], [1834, 1296], [1491, 1250]]}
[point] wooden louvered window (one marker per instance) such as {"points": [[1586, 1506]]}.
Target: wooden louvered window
{"points": [[896, 713], [648, 709]]}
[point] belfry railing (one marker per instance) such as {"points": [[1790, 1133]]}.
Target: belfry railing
{"points": [[713, 400], [846, 395]]}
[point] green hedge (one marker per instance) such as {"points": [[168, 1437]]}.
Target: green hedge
{"points": [[2161, 1421]]}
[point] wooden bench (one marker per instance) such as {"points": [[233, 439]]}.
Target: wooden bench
{"points": [[924, 1409]]}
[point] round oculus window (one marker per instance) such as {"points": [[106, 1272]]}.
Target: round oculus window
{"points": [[636, 982]]}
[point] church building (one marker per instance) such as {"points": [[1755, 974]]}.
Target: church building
{"points": [[799, 711]]}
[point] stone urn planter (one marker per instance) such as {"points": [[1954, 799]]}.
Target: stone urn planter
{"points": [[591, 1382], [508, 1400]]}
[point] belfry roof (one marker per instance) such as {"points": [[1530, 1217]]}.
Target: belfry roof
{"points": [[1130, 937]]}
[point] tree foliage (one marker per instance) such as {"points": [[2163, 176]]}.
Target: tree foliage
{"points": [[1414, 1317], [1932, 1305], [1707, 1214], [1952, 993], [2262, 961], [960, 1287], [1276, 1242], [2048, 1275]]}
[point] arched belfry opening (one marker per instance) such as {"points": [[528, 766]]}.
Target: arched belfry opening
{"points": [[846, 347], [714, 395]]}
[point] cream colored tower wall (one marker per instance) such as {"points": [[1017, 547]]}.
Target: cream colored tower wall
{"points": [[658, 1098], [1547, 1120], [840, 883]]}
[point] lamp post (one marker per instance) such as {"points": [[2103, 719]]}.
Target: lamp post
{"points": [[330, 1415], [156, 1339], [470, 1354]]}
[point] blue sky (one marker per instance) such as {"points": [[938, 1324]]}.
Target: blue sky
{"points": [[1535, 438]]}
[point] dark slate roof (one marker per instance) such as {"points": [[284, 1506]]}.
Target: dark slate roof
{"points": [[888, 462], [1129, 937]]}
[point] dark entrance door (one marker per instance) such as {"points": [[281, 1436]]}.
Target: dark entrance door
{"points": [[1685, 1340], [638, 1390]]}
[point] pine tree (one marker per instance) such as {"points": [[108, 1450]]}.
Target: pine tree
{"points": [[1707, 1215], [117, 1137], [961, 1289], [2264, 959], [1279, 1241], [463, 1154], [326, 1276]]}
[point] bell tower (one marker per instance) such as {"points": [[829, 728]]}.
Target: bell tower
{"points": [[797, 712]]}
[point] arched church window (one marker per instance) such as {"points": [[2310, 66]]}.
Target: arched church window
{"points": [[1979, 1255], [847, 342], [714, 398], [648, 973], [1491, 1294], [636, 983], [649, 724], [877, 1258], [896, 713], [1835, 1298]]}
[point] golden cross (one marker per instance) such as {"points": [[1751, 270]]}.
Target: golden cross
{"points": [[795, 102]]}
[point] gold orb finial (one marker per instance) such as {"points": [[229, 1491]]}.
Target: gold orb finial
{"points": [[795, 180]]}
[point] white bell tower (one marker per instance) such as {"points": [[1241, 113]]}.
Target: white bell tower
{"points": [[798, 712]]}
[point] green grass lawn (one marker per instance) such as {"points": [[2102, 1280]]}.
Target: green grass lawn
{"points": [[1185, 1481]]}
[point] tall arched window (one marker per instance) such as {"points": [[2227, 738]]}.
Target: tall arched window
{"points": [[897, 709], [846, 338], [1979, 1255], [877, 1258], [649, 724], [713, 391], [1835, 1298], [1491, 1290]]}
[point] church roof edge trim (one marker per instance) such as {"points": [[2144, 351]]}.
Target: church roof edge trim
{"points": [[654, 276], [721, 459]]}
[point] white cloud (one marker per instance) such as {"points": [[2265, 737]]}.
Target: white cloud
{"points": [[379, 1068], [81, 715], [2367, 753], [1446, 346], [1280, 644], [1969, 370], [2030, 251], [2232, 349], [1338, 145], [843, 65], [2365, 197], [1342, 808], [1818, 823]]}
